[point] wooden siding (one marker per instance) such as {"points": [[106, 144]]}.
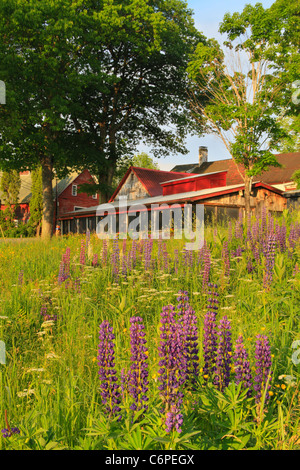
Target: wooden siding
{"points": [[195, 183], [67, 202], [260, 197], [132, 188]]}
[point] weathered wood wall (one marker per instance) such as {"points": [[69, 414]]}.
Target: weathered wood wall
{"points": [[132, 188]]}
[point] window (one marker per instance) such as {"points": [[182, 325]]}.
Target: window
{"points": [[94, 196], [74, 189]]}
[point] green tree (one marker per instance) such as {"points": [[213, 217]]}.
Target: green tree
{"points": [[37, 63], [10, 185], [88, 81], [291, 143], [36, 201], [296, 178], [142, 160], [139, 55], [236, 93]]}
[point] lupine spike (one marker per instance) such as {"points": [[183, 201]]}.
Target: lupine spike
{"points": [[138, 374], [242, 366], [262, 366], [224, 350], [110, 392]]}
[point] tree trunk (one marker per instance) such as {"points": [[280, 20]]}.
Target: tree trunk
{"points": [[106, 179], [48, 208], [247, 194]]}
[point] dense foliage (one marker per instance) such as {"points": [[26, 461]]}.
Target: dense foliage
{"points": [[145, 345]]}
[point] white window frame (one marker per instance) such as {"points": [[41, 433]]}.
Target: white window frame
{"points": [[94, 196], [74, 189]]}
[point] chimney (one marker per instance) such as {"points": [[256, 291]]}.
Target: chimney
{"points": [[203, 152]]}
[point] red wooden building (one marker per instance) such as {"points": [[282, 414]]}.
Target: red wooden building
{"points": [[66, 195], [220, 190]]}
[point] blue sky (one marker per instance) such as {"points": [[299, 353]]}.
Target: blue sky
{"points": [[208, 14]]}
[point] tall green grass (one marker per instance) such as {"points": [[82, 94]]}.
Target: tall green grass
{"points": [[49, 385]]}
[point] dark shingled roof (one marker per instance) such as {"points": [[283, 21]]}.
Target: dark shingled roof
{"points": [[275, 175]]}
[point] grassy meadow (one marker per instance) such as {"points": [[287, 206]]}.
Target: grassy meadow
{"points": [[55, 296]]}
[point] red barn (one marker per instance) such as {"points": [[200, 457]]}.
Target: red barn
{"points": [[66, 195]]}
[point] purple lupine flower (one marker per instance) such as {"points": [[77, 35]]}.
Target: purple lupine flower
{"points": [[190, 345], [206, 267], [124, 267], [116, 259], [133, 253], [64, 267], [110, 390], [256, 253], [238, 229], [95, 260], [46, 315], [148, 254], [229, 231], [124, 382], [242, 366], [223, 358], [188, 259], [66, 260], [8, 432], [249, 266], [209, 344], [270, 261], [183, 302], [170, 353], [20, 278], [255, 231], [77, 285], [280, 235], [61, 273], [159, 248], [187, 324], [165, 258], [104, 252], [82, 253], [87, 237], [44, 310], [293, 236], [138, 373], [225, 258], [213, 297], [263, 225], [176, 260], [262, 366], [174, 418]]}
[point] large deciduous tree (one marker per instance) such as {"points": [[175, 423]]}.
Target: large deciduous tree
{"points": [[135, 83], [37, 53], [36, 201], [238, 93], [88, 80]]}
